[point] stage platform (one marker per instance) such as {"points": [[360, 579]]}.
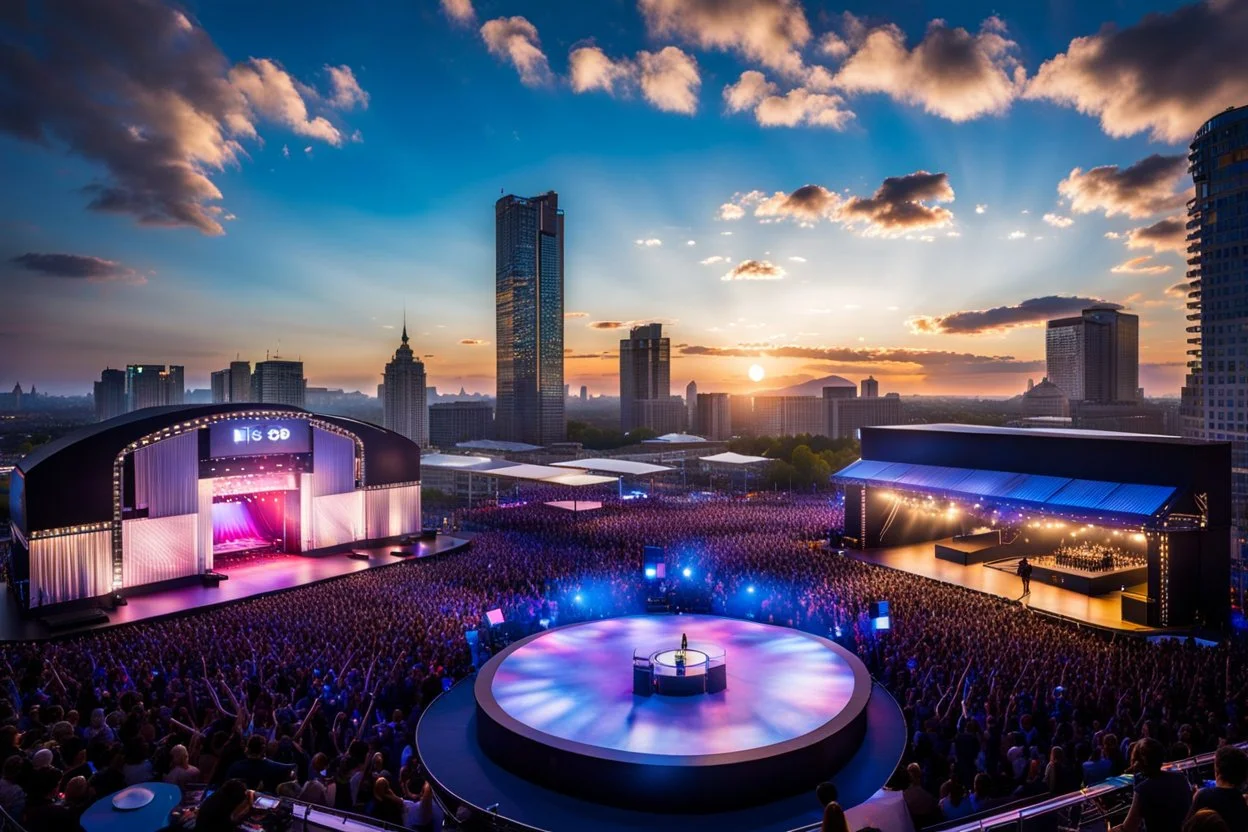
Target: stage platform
{"points": [[1080, 580], [552, 740], [1104, 611], [261, 577]]}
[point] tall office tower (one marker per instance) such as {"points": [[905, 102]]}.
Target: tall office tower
{"points": [[691, 405], [1215, 395], [742, 415], [173, 384], [110, 395], [847, 414], [405, 409], [714, 416], [645, 373], [1095, 357], [454, 422], [240, 381], [220, 386], [528, 296], [584, 393], [277, 381], [870, 388], [152, 385]]}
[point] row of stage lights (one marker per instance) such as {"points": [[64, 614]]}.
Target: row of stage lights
{"points": [[930, 507]]}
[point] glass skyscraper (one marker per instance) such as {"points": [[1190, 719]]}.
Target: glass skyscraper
{"points": [[528, 293], [1215, 397]]}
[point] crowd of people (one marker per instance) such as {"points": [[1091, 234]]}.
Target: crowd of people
{"points": [[1088, 556], [315, 692]]}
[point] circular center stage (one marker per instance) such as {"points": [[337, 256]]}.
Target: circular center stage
{"points": [[559, 709]]}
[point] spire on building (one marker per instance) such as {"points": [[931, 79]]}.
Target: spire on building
{"points": [[405, 324]]}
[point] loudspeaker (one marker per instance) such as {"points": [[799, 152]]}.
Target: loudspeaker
{"points": [[213, 578], [879, 609]]}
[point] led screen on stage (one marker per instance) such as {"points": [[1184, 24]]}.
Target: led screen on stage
{"points": [[258, 437]]}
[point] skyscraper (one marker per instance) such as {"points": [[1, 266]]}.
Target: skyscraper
{"points": [[528, 295], [454, 422], [645, 373], [1214, 404], [714, 416], [220, 386], [1095, 357], [584, 393], [691, 404], [870, 388], [404, 408], [240, 381], [110, 395], [153, 385], [277, 381]]}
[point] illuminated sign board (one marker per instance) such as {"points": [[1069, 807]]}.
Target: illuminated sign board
{"points": [[286, 436]]}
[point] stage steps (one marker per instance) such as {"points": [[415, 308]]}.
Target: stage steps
{"points": [[75, 618]]}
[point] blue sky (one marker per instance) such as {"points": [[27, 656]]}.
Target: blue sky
{"points": [[333, 226]]}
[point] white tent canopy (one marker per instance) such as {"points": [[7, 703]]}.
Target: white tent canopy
{"points": [[730, 458], [614, 466]]}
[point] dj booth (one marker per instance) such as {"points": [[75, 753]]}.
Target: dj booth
{"points": [[679, 672]]}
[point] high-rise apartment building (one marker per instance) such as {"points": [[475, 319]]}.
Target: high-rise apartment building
{"points": [[528, 296], [1095, 356], [1215, 395], [742, 408], [404, 407], [220, 386], [645, 374], [584, 393], [278, 381], [240, 381], [846, 414], [154, 385], [691, 404], [870, 388], [110, 394], [714, 416], [454, 422], [789, 415]]}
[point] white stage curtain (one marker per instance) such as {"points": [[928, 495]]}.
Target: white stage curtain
{"points": [[306, 532], [337, 519], [203, 536], [166, 476], [71, 566], [333, 463], [159, 549], [390, 512]]}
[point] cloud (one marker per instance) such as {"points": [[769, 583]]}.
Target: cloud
{"points": [[1179, 290], [755, 270], [751, 88], [1058, 221], [998, 318], [691, 242], [771, 32], [1169, 234], [459, 11], [1141, 190], [898, 359], [1141, 265], [608, 324], [590, 69], [345, 93], [951, 73], [801, 107], [715, 258], [79, 267], [1165, 75], [575, 314], [796, 259], [808, 204], [472, 342], [515, 39], [1017, 235], [651, 242], [979, 209], [670, 80], [143, 92], [900, 204]]}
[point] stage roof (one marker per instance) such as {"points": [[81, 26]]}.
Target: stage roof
{"points": [[614, 466], [673, 439], [579, 479], [1070, 433], [497, 445], [1054, 492], [730, 458], [459, 462]]}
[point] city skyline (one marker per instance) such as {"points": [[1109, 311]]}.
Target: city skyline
{"points": [[757, 185]]}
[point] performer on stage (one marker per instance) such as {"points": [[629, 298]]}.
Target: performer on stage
{"points": [[1024, 572]]}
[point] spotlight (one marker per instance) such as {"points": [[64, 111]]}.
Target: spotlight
{"points": [[687, 572], [576, 598], [750, 589], [651, 572]]}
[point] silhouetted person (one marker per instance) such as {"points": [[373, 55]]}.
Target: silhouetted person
{"points": [[1024, 572]]}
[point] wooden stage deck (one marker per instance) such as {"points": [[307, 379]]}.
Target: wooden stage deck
{"points": [[1103, 611]]}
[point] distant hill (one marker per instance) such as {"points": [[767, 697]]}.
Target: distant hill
{"points": [[814, 387]]}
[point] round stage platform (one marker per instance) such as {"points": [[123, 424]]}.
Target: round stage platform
{"points": [[558, 709]]}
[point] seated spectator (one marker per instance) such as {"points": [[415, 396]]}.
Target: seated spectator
{"points": [[1162, 798], [1230, 768], [181, 771], [258, 772]]}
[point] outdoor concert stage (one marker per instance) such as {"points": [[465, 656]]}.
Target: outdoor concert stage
{"points": [[553, 732], [263, 576]]}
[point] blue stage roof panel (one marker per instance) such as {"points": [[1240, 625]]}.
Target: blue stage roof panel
{"points": [[1130, 498]]}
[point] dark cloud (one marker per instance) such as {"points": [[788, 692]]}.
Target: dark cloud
{"points": [[898, 204], [608, 324], [1165, 75], [79, 267], [1169, 234], [809, 204], [755, 270], [471, 342], [1030, 311], [1141, 190], [1179, 290], [898, 359], [137, 87]]}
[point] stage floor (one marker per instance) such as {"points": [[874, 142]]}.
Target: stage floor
{"points": [[261, 577], [920, 559]]}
